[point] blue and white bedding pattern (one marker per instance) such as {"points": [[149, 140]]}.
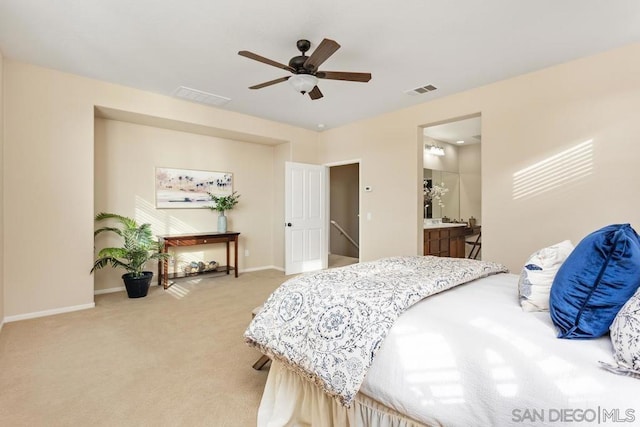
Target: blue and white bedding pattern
{"points": [[328, 325]]}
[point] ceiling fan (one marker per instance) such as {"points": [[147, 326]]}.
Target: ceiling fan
{"points": [[305, 68]]}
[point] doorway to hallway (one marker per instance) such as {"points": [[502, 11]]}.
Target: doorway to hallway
{"points": [[344, 214]]}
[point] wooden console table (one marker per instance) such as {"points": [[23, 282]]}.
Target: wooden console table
{"points": [[192, 239]]}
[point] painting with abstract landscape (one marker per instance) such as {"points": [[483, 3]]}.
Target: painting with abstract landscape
{"points": [[186, 188]]}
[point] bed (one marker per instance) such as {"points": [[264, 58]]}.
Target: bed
{"points": [[466, 355]]}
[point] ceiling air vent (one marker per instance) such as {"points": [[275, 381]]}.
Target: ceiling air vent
{"points": [[200, 96], [420, 90]]}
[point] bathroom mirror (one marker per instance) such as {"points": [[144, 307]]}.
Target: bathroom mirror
{"points": [[448, 205]]}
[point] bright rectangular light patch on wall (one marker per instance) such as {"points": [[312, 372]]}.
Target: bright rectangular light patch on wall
{"points": [[556, 171]]}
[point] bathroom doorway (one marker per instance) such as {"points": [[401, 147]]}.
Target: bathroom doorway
{"points": [[452, 178]]}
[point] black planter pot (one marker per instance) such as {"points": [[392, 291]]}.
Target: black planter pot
{"points": [[137, 287]]}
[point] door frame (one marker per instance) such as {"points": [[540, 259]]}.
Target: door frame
{"points": [[328, 201]]}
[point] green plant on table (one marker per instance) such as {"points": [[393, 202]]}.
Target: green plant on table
{"points": [[223, 203]]}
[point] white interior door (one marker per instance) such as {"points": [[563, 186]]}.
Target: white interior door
{"points": [[306, 241]]}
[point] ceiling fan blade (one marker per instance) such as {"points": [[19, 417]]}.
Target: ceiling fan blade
{"points": [[264, 60], [344, 75], [315, 93], [269, 83], [326, 48]]}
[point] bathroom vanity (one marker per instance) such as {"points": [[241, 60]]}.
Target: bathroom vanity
{"points": [[447, 239]]}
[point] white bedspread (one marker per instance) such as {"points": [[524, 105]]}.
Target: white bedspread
{"points": [[329, 325], [471, 357]]}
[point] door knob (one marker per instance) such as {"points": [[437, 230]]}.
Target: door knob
{"points": [[289, 224]]}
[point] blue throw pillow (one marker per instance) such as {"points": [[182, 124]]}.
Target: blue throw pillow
{"points": [[595, 281]]}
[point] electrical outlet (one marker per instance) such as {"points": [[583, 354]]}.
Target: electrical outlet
{"points": [[246, 252]]}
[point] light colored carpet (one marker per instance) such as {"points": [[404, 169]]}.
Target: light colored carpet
{"points": [[173, 358], [340, 260]]}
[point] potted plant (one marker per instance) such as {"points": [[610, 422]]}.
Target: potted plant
{"points": [[222, 204], [137, 248]]}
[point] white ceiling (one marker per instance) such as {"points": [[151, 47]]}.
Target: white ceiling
{"points": [[469, 131], [159, 45]]}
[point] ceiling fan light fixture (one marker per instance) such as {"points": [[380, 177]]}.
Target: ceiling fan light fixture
{"points": [[305, 68], [303, 83]]}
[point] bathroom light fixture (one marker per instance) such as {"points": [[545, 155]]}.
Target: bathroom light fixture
{"points": [[434, 150], [303, 83]]}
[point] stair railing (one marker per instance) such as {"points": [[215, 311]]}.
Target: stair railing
{"points": [[345, 234]]}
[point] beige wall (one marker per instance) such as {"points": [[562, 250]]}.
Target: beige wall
{"points": [[48, 188], [1, 190], [49, 177], [390, 167], [282, 154], [469, 161], [525, 120], [126, 156]]}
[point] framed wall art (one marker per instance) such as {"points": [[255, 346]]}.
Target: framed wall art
{"points": [[187, 188]]}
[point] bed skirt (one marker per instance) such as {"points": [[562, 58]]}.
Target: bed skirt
{"points": [[289, 400]]}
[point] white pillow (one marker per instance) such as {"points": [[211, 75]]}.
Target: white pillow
{"points": [[538, 273], [625, 334]]}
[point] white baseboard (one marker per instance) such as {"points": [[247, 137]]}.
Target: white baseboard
{"points": [[266, 267], [109, 290], [44, 313]]}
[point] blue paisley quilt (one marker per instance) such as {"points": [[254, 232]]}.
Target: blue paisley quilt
{"points": [[328, 325]]}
